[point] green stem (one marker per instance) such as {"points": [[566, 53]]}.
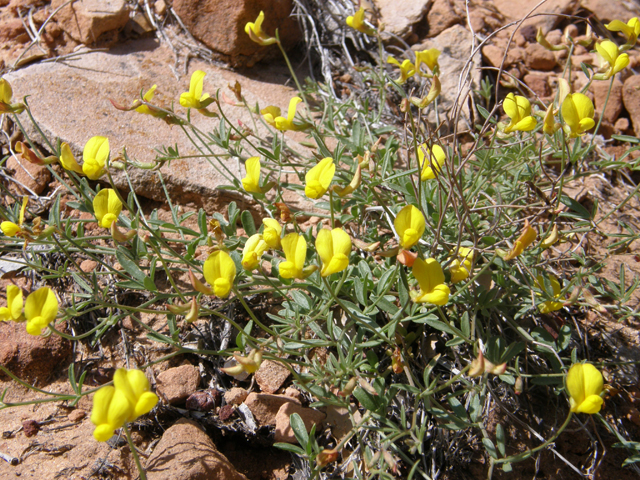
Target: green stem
{"points": [[143, 476], [293, 73]]}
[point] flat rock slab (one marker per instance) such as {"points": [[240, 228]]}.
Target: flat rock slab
{"points": [[70, 100]]}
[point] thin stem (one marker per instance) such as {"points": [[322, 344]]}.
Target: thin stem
{"points": [[143, 475]]}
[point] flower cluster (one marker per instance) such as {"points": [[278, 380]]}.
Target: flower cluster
{"points": [[39, 310]]}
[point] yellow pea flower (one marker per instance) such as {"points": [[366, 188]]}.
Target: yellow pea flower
{"points": [[6, 94], [251, 183], [460, 268], [283, 124], [271, 232], [585, 384], [220, 271], [40, 309], [67, 160], [431, 280], [409, 225], [147, 97], [518, 109], [106, 207], [318, 179], [434, 91], [526, 238], [549, 124], [631, 30], [355, 183], [95, 156], [253, 250], [430, 59], [407, 69], [255, 32], [194, 97], [249, 364], [10, 229], [434, 165], [13, 310], [270, 114], [295, 252], [357, 23], [126, 400], [577, 113], [333, 247], [611, 58], [550, 305]]}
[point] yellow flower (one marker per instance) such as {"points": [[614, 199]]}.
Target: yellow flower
{"points": [[430, 59], [355, 183], [13, 310], [525, 239], [40, 309], [550, 305], [10, 229], [220, 271], [67, 160], [295, 252], [518, 109], [409, 225], [253, 250], [318, 179], [631, 30], [461, 267], [270, 114], [549, 124], [333, 247], [585, 384], [95, 156], [271, 232], [577, 113], [434, 91], [194, 97], [431, 280], [249, 364], [126, 400], [407, 69], [251, 183], [282, 123], [6, 92], [255, 32], [106, 207], [612, 59], [357, 22], [147, 97], [434, 165]]}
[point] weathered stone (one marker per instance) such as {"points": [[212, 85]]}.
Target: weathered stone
{"points": [[631, 99], [539, 58], [514, 10], [538, 83], [607, 10], [444, 14], [11, 29], [31, 358], [176, 384], [201, 401], [309, 416], [185, 452], [264, 407], [459, 73], [34, 177], [400, 17], [621, 125], [614, 104], [235, 396], [219, 24], [88, 266], [76, 415], [65, 95], [85, 21], [271, 376]]}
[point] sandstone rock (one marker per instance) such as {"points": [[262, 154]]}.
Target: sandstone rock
{"points": [[65, 95], [284, 432], [235, 396], [493, 55], [265, 407], [88, 266], [614, 105], [202, 401], [271, 376], [85, 21], [539, 58], [176, 384], [34, 177], [11, 29], [219, 24], [444, 14], [294, 393], [185, 452], [455, 45], [631, 99], [400, 17], [538, 83], [606, 10], [514, 10], [621, 125], [31, 358], [76, 415]]}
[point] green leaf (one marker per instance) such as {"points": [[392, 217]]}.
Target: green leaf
{"points": [[500, 439], [367, 400], [299, 430], [247, 223], [574, 205], [490, 447], [290, 448], [438, 325], [129, 265]]}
